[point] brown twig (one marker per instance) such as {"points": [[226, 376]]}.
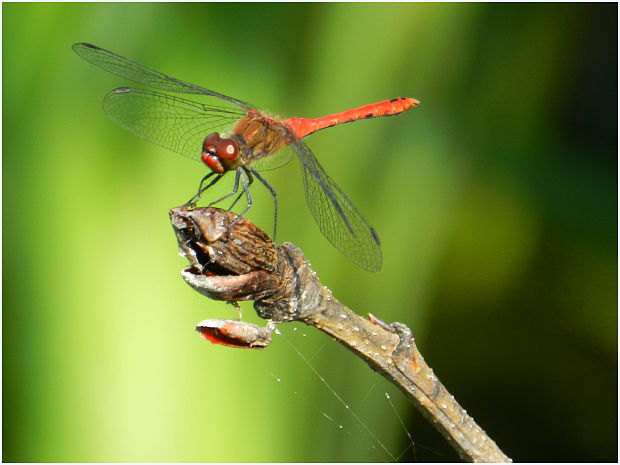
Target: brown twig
{"points": [[233, 260]]}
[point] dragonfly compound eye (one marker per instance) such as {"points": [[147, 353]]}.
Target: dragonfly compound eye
{"points": [[209, 143], [226, 149]]}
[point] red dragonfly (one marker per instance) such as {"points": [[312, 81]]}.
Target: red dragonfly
{"points": [[253, 142]]}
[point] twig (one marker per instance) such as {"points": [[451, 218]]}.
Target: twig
{"points": [[233, 260]]}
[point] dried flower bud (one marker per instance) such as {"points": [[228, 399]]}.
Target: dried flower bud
{"points": [[230, 258]]}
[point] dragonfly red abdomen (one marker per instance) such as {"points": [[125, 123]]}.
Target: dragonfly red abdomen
{"points": [[302, 127]]}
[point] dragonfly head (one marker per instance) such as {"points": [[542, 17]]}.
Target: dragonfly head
{"points": [[219, 154]]}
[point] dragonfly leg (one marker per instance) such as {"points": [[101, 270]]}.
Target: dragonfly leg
{"points": [[202, 187], [235, 202], [251, 180], [275, 201], [246, 190], [233, 192]]}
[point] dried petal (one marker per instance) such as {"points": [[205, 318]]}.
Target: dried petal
{"points": [[234, 333]]}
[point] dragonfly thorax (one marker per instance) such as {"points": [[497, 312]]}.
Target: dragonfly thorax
{"points": [[219, 154], [254, 137], [259, 136]]}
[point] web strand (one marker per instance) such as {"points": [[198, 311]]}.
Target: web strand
{"points": [[412, 444], [341, 400]]}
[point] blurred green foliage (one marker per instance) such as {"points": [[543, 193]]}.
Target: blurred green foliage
{"points": [[495, 199]]}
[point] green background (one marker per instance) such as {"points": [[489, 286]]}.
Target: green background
{"points": [[495, 199]]}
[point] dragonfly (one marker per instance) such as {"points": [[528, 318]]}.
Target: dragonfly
{"points": [[233, 135]]}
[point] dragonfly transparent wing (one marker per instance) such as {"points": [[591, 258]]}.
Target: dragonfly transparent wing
{"points": [[338, 219], [172, 122], [274, 161], [137, 72]]}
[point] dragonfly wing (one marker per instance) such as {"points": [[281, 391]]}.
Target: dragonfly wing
{"points": [[274, 161], [338, 219], [172, 122], [137, 72]]}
